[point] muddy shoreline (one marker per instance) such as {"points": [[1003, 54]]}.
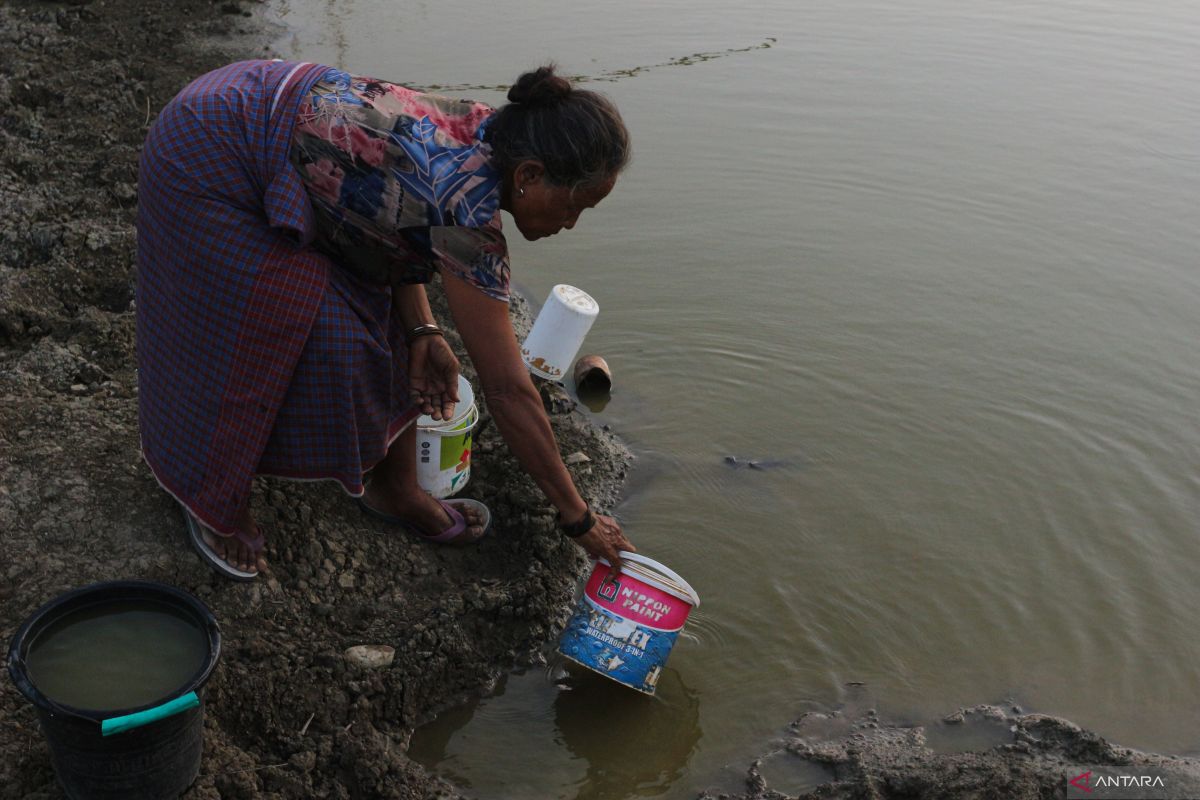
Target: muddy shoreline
{"points": [[287, 715], [985, 752]]}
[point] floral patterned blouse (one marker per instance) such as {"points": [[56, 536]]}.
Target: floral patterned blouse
{"points": [[401, 182]]}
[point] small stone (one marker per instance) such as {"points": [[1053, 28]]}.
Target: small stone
{"points": [[555, 398], [313, 552], [346, 580], [78, 388], [577, 458], [371, 656], [957, 718]]}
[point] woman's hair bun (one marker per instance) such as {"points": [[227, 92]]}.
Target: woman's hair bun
{"points": [[541, 87], [577, 135]]}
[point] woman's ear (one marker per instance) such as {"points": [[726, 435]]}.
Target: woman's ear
{"points": [[529, 173]]}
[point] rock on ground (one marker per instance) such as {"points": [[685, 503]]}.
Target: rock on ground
{"points": [[287, 716]]}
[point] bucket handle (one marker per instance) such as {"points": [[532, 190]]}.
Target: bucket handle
{"points": [[136, 720], [654, 565]]}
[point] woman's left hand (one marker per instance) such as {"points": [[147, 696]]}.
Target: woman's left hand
{"points": [[433, 376], [605, 540]]}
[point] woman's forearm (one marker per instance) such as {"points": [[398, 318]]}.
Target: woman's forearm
{"points": [[412, 304], [522, 421], [511, 397]]}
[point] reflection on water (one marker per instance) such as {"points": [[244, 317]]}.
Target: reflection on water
{"points": [[596, 399], [601, 741], [633, 745]]}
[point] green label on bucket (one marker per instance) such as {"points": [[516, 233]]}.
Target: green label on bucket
{"points": [[456, 452], [130, 721]]}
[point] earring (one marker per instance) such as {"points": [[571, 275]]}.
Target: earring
{"points": [[520, 192]]}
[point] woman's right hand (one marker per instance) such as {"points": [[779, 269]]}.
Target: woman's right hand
{"points": [[433, 376], [605, 540]]}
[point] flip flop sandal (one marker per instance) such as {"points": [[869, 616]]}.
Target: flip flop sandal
{"points": [[458, 523], [195, 532]]}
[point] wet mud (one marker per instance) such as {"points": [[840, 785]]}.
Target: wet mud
{"points": [[985, 752]]}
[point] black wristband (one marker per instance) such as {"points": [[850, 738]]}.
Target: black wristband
{"points": [[577, 529]]}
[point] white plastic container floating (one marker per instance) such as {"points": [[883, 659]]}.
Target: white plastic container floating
{"points": [[558, 331], [625, 625], [444, 446]]}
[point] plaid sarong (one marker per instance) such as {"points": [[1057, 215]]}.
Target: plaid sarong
{"points": [[255, 353]]}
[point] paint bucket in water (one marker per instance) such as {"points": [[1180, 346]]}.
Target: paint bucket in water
{"points": [[444, 446], [116, 672], [625, 625], [558, 331]]}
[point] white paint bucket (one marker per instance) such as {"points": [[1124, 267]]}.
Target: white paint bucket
{"points": [[444, 446], [558, 331], [625, 625]]}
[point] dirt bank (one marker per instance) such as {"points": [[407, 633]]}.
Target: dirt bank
{"points": [[287, 716], [985, 753]]}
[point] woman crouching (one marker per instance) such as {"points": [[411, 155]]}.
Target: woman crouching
{"points": [[289, 217]]}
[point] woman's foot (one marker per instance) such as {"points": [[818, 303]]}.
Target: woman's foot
{"points": [[419, 510], [236, 551]]}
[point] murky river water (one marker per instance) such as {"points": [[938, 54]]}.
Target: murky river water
{"points": [[939, 259]]}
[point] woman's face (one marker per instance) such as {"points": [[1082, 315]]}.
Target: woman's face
{"points": [[542, 209]]}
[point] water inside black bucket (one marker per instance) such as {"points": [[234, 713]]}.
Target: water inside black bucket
{"points": [[117, 655]]}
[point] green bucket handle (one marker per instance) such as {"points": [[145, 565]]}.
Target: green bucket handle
{"points": [[128, 722]]}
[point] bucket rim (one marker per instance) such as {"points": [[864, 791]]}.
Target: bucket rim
{"points": [[454, 427], [541, 373], [96, 593], [613, 678], [667, 576], [465, 391]]}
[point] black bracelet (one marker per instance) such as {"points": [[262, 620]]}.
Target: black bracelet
{"points": [[574, 530]]}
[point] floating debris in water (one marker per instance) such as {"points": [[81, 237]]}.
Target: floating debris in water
{"points": [[757, 463], [613, 75], [592, 375]]}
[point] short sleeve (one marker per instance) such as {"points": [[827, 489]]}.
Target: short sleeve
{"points": [[477, 255]]}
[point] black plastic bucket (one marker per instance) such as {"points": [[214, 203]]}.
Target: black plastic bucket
{"points": [[144, 753]]}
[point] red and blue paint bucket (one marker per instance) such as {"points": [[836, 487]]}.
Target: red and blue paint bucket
{"points": [[626, 623]]}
